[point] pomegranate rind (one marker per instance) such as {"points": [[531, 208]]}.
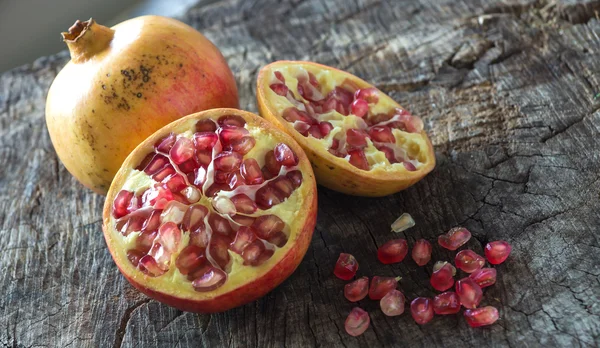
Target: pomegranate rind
{"points": [[244, 286], [331, 171]]}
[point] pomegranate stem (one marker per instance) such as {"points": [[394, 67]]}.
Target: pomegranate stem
{"points": [[86, 39]]}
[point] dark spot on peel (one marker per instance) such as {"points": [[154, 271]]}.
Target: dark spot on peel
{"points": [[139, 95]]}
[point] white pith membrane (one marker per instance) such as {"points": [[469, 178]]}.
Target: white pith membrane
{"points": [[201, 251], [405, 145]]}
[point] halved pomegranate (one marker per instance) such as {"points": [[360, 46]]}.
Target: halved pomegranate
{"points": [[193, 220], [359, 140]]}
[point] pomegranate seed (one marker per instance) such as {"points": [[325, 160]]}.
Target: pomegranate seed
{"points": [[149, 266], [182, 150], [484, 277], [157, 197], [175, 182], [251, 172], [153, 222], [210, 280], [439, 264], [194, 217], [198, 177], [370, 95], [469, 292], [284, 155], [174, 211], [469, 261], [409, 166], [199, 236], [421, 310], [382, 134], [271, 163], [221, 177], [357, 322], [481, 316], [379, 118], [267, 225], [217, 248], [357, 290], [252, 252], [206, 126], [358, 159], [446, 303], [203, 158], [165, 144], [243, 220], [283, 185], [325, 128], [497, 252], [343, 99], [392, 303], [350, 86], [421, 252], [121, 203], [205, 140], [164, 173], [442, 279], [228, 161], [381, 286], [144, 163], [224, 206], [243, 145], [235, 180], [455, 238], [219, 225], [244, 204], [134, 256], [302, 127], [132, 223], [356, 138], [244, 236], [292, 114], [312, 79], [144, 241], [169, 236], [359, 108], [279, 89], [188, 166], [279, 76], [190, 259], [192, 194], [216, 188], [389, 153], [393, 251], [278, 239], [295, 177], [404, 222], [231, 120], [413, 124], [229, 133], [345, 267], [315, 132], [267, 196]]}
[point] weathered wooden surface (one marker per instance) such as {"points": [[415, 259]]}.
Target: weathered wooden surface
{"points": [[508, 91]]}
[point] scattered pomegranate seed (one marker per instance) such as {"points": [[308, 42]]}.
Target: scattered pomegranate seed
{"points": [[357, 322], [380, 286], [442, 279], [455, 238], [497, 252], [446, 303], [393, 251], [469, 292], [210, 280], [421, 252], [404, 222], [345, 267], [392, 303], [484, 277], [182, 150], [421, 310], [284, 155], [440, 264], [357, 290], [359, 108], [481, 316], [469, 261]]}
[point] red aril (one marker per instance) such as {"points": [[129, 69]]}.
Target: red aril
{"points": [[193, 224], [393, 251], [497, 252], [442, 279], [357, 290], [455, 238], [392, 303], [345, 267], [421, 252], [357, 322], [468, 261], [380, 286], [359, 108], [421, 310], [481, 316], [484, 277], [382, 134], [468, 292], [446, 303]]}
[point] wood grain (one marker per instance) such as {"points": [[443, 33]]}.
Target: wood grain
{"points": [[509, 93]]}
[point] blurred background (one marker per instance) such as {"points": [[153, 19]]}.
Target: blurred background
{"points": [[30, 29]]}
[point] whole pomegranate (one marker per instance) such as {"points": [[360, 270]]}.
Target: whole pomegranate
{"points": [[212, 211], [359, 140], [124, 83]]}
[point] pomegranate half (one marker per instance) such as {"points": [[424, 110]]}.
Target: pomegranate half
{"points": [[212, 211], [359, 140], [123, 84]]}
